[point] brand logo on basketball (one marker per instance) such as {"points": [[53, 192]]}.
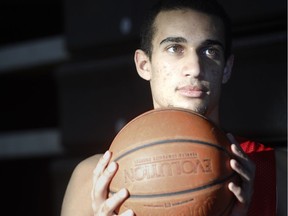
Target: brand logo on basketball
{"points": [[161, 166]]}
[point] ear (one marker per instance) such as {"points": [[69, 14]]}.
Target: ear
{"points": [[228, 69], [142, 63]]}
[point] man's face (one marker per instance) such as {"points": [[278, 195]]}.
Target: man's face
{"points": [[187, 62]]}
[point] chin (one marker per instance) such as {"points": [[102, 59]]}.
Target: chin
{"points": [[202, 110]]}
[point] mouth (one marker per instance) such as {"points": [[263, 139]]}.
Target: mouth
{"points": [[192, 91]]}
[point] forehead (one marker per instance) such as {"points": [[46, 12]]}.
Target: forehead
{"points": [[192, 25]]}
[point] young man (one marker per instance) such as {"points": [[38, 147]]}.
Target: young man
{"points": [[185, 55]]}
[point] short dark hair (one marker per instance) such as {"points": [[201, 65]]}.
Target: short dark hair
{"points": [[210, 7]]}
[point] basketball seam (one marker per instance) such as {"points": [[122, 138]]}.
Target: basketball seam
{"points": [[213, 183], [161, 142]]}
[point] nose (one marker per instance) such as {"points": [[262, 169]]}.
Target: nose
{"points": [[191, 65]]}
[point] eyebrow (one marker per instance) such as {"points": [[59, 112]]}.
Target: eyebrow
{"points": [[174, 40], [183, 40], [213, 42]]}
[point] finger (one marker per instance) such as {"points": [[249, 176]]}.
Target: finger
{"points": [[245, 191], [239, 152], [235, 142], [244, 174], [231, 138], [242, 165], [97, 172], [102, 183], [101, 165], [244, 162], [238, 192], [236, 148], [113, 202]]}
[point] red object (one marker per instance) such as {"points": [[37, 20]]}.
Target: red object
{"points": [[264, 197]]}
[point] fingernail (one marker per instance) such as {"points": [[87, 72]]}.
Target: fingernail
{"points": [[123, 193], [230, 186], [129, 212], [112, 167], [106, 155]]}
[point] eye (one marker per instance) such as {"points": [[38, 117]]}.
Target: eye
{"points": [[175, 48], [212, 52]]}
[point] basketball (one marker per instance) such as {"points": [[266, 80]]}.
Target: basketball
{"points": [[173, 162]]}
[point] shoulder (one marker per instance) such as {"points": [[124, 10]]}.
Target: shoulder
{"points": [[86, 166], [83, 172], [77, 196]]}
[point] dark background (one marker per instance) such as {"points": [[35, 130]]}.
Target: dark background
{"points": [[65, 101]]}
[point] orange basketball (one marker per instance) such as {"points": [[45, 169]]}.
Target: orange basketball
{"points": [[173, 162]]}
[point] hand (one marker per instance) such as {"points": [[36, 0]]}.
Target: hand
{"points": [[246, 170], [102, 176]]}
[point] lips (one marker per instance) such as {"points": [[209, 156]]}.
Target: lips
{"points": [[193, 91]]}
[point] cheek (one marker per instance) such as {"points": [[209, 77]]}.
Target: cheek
{"points": [[214, 69], [214, 73], [163, 73], [214, 77], [167, 76]]}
